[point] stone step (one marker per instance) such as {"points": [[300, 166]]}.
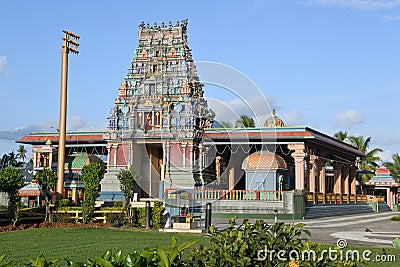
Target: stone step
{"points": [[383, 207], [319, 211]]}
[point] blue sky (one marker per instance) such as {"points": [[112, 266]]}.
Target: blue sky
{"points": [[328, 64]]}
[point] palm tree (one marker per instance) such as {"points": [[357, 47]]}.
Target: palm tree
{"points": [[245, 122], [367, 163], [21, 153], [394, 166], [341, 136], [12, 159]]}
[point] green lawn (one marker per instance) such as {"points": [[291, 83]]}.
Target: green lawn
{"points": [[81, 243]]}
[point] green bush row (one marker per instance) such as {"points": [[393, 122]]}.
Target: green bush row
{"points": [[231, 247]]}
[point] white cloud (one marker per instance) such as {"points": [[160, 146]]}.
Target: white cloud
{"points": [[79, 123], [385, 156], [257, 107], [74, 123], [349, 118], [293, 118], [3, 65], [358, 4], [391, 17]]}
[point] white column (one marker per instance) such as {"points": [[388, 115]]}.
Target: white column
{"points": [[115, 146], [184, 154]]}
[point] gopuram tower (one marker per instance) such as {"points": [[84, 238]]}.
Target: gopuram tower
{"points": [[157, 121]]}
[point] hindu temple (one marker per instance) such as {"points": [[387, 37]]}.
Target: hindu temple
{"points": [[160, 125]]}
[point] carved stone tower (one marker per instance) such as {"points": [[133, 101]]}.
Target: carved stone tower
{"points": [[157, 120]]}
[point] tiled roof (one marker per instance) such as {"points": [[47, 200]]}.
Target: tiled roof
{"points": [[264, 160], [78, 161], [31, 189], [69, 184], [383, 177]]}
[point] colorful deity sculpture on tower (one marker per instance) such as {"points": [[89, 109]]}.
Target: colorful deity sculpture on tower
{"points": [[159, 116]]}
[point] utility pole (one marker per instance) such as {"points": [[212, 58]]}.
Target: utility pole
{"points": [[70, 44]]}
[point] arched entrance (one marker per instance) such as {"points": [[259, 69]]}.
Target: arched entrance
{"points": [[265, 171]]}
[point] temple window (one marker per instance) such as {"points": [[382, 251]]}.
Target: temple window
{"points": [[152, 89]]}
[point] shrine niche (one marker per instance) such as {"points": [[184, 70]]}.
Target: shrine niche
{"points": [[265, 171], [384, 184], [274, 121]]}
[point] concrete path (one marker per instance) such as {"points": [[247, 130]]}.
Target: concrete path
{"points": [[374, 229]]}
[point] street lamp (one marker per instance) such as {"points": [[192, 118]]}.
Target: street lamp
{"points": [[70, 44], [276, 215]]}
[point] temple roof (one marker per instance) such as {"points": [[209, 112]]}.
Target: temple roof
{"points": [[274, 121], [264, 160], [31, 189], [83, 137], [383, 177], [45, 149], [78, 161], [69, 184]]}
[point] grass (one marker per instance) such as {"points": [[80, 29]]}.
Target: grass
{"points": [[82, 243]]}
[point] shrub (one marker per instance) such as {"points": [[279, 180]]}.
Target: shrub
{"points": [[118, 204], [61, 218], [113, 217], [92, 174], [241, 246], [62, 203], [396, 218], [4, 263], [157, 215], [140, 216], [161, 256]]}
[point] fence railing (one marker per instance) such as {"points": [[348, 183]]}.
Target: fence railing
{"points": [[100, 215], [209, 194], [334, 198]]}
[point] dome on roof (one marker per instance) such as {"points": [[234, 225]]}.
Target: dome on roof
{"points": [[78, 161], [274, 121], [264, 160], [382, 170]]}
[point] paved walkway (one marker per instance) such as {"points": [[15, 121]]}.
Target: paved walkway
{"points": [[373, 229]]}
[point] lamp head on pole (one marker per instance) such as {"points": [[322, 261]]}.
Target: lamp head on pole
{"points": [[71, 41]]}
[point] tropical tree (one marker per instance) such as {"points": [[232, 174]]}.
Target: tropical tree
{"points": [[92, 174], [394, 167], [11, 180], [245, 122], [12, 159], [47, 179], [21, 153], [341, 136], [128, 183], [367, 163]]}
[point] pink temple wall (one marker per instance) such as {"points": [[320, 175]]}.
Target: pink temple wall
{"points": [[122, 154], [176, 154]]}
